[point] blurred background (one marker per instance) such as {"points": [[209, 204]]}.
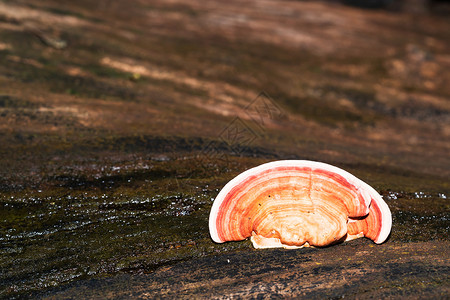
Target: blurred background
{"points": [[121, 120]]}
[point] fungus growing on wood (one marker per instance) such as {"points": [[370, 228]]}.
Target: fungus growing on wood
{"points": [[298, 203]]}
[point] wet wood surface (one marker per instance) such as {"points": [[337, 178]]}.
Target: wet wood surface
{"points": [[358, 269]]}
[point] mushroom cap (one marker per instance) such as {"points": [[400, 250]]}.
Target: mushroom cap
{"points": [[377, 224], [295, 203]]}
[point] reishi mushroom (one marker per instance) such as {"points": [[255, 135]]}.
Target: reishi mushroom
{"points": [[298, 203]]}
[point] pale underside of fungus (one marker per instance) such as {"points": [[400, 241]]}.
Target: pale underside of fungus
{"points": [[298, 203]]}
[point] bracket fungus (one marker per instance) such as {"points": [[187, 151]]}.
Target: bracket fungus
{"points": [[298, 203]]}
